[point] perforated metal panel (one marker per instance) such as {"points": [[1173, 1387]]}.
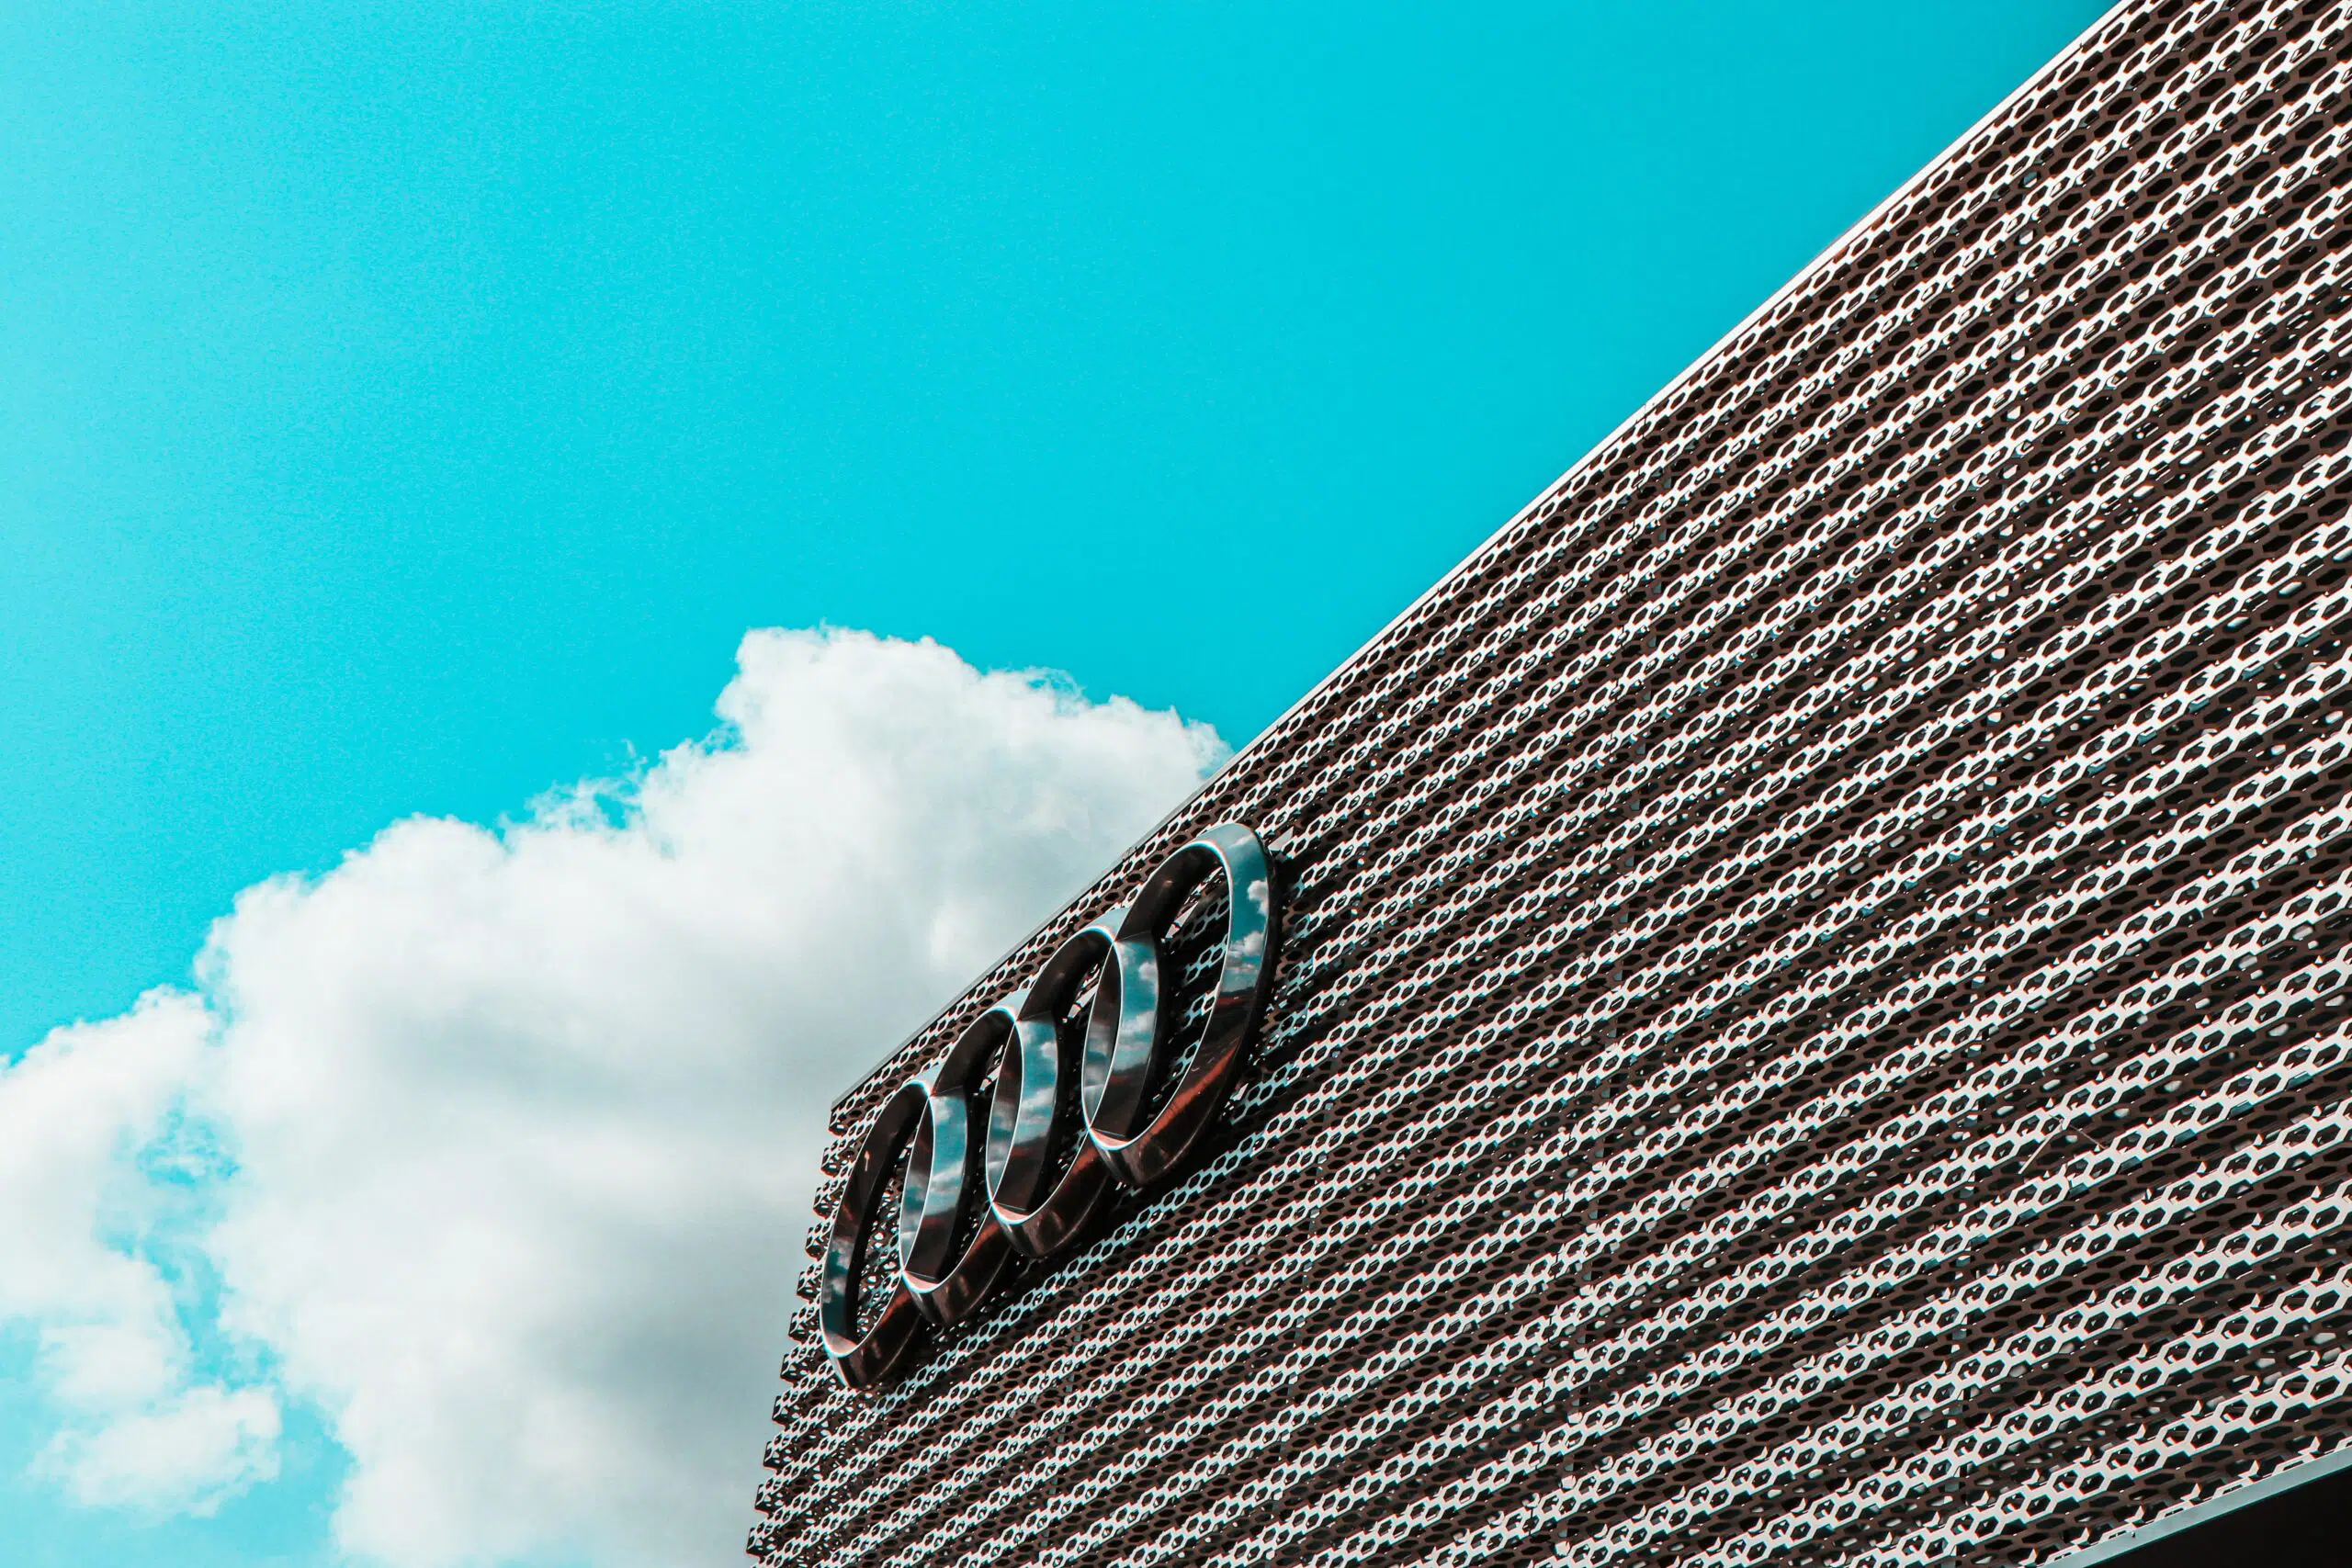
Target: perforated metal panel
{"points": [[1811, 1023]]}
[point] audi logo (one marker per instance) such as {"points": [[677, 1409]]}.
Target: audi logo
{"points": [[1021, 1175]]}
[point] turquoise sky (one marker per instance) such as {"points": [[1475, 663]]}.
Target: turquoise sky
{"points": [[406, 408]]}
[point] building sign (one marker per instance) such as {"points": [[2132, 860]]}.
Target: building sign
{"points": [[1009, 1143]]}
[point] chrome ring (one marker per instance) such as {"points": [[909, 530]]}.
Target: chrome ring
{"points": [[1034, 1105], [1130, 1030], [946, 1281], [866, 1360]]}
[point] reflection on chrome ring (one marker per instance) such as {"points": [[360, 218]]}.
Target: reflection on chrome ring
{"points": [[1029, 1114], [980, 1186]]}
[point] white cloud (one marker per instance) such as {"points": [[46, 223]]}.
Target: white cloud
{"points": [[74, 1111], [84, 1118], [189, 1452], [524, 1124]]}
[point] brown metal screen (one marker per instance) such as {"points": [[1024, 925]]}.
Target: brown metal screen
{"points": [[1812, 1024]]}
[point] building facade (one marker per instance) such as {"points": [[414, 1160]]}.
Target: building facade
{"points": [[1809, 1022]]}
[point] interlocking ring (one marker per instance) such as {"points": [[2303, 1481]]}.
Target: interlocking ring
{"points": [[865, 1358], [1035, 1111], [1070, 1111], [950, 1249]]}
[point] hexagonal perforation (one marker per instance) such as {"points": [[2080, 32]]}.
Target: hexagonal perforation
{"points": [[1813, 1022]]}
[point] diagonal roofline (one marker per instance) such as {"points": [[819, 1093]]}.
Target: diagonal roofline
{"points": [[1828, 255]]}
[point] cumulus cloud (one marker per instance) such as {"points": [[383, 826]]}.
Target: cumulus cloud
{"points": [[189, 1452], [504, 1141], [89, 1120]]}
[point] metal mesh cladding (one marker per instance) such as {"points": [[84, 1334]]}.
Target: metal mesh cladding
{"points": [[1813, 1025]]}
